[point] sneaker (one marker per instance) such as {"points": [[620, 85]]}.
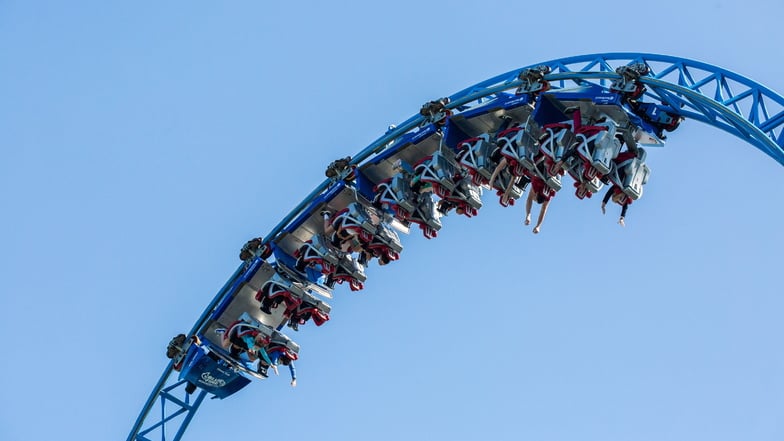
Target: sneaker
{"points": [[262, 370]]}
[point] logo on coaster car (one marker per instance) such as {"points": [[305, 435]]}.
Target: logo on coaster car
{"points": [[212, 381]]}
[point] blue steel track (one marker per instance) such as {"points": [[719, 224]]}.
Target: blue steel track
{"points": [[692, 89]]}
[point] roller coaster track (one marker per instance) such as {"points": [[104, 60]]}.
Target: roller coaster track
{"points": [[691, 89]]}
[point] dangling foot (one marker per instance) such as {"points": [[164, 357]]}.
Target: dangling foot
{"points": [[536, 229], [528, 219], [263, 371]]}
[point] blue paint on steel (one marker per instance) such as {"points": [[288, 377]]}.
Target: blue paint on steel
{"points": [[592, 92], [211, 375], [405, 140], [548, 110], [283, 257], [506, 101], [453, 135], [424, 133], [189, 415], [183, 407], [364, 186], [692, 89]]}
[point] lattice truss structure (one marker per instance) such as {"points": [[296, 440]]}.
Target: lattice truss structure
{"points": [[692, 89]]}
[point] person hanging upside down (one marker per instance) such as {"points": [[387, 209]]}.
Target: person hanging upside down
{"points": [[344, 240], [615, 192], [619, 197], [244, 339], [542, 194], [280, 355], [514, 181]]}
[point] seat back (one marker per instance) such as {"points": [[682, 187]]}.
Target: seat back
{"points": [[559, 139], [477, 156], [605, 148], [637, 174]]}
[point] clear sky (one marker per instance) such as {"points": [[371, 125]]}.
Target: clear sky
{"points": [[143, 142]]}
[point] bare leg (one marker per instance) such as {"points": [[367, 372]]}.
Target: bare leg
{"points": [[542, 212], [528, 203]]}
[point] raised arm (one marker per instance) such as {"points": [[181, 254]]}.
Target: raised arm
{"points": [[607, 196]]}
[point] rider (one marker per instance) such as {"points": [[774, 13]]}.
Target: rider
{"points": [[615, 192], [279, 354], [542, 194], [243, 338], [344, 239], [518, 181], [619, 197]]}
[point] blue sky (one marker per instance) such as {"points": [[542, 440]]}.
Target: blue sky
{"points": [[143, 143]]}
